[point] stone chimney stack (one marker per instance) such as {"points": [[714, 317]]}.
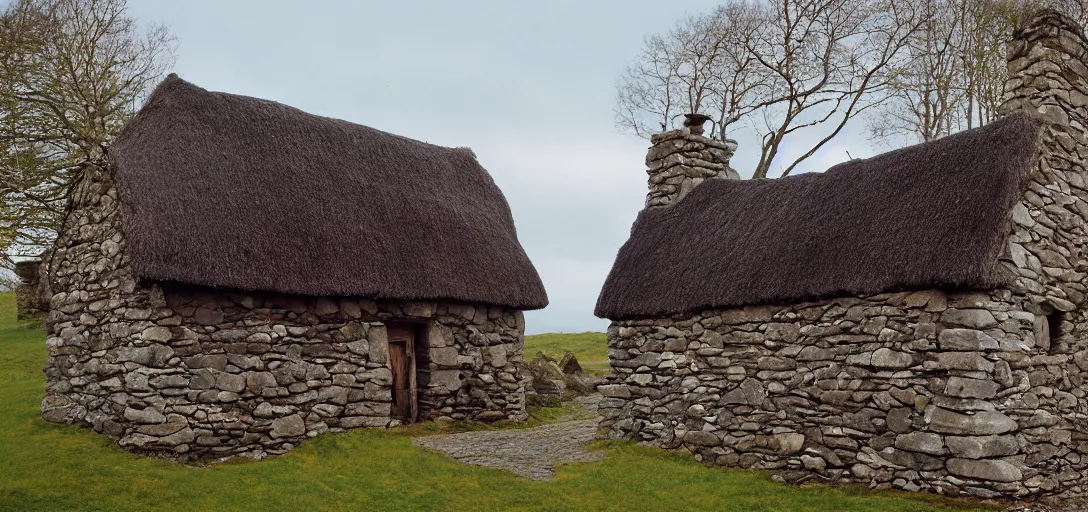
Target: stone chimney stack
{"points": [[1047, 76], [680, 160]]}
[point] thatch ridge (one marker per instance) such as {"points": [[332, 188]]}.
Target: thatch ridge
{"points": [[934, 215], [237, 192]]}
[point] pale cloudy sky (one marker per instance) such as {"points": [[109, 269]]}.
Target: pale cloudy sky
{"points": [[528, 85]]}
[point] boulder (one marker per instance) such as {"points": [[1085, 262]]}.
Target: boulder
{"points": [[569, 364], [580, 384], [554, 378], [546, 386]]}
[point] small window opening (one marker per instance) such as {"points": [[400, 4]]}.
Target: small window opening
{"points": [[1053, 330]]}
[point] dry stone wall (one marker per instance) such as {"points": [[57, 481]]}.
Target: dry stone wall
{"points": [[1049, 78], [972, 392], [680, 160], [194, 373], [931, 391]]}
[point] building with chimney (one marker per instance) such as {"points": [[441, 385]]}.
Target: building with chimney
{"points": [[243, 275], [915, 320]]}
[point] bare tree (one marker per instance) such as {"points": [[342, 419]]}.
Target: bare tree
{"points": [[700, 66], [824, 63], [777, 67], [955, 70], [925, 100], [987, 26], [72, 72]]}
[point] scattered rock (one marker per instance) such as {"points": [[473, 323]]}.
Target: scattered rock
{"points": [[569, 364]]}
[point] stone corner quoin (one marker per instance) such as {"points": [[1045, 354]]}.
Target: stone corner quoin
{"points": [[959, 392]]}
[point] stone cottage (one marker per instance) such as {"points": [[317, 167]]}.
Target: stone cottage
{"points": [[915, 320], [243, 275]]}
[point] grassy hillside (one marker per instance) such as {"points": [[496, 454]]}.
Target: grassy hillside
{"points": [[50, 467], [590, 347]]}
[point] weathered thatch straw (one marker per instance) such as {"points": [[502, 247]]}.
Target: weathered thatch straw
{"points": [[931, 215], [231, 191]]}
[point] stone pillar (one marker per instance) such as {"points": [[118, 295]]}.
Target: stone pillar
{"points": [[1047, 74], [679, 160], [1048, 77], [26, 294]]}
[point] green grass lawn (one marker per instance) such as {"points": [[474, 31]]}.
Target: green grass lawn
{"points": [[590, 348], [50, 467]]}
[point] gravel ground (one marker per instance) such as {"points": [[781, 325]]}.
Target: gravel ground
{"points": [[1077, 505], [531, 453]]}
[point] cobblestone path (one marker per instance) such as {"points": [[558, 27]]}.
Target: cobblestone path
{"points": [[530, 453]]}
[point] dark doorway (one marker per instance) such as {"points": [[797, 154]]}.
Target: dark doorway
{"points": [[402, 362], [1054, 330]]}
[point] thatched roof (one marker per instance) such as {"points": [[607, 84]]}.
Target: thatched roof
{"points": [[230, 191], [932, 215]]}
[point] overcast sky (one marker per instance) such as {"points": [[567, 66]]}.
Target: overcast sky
{"points": [[528, 85]]}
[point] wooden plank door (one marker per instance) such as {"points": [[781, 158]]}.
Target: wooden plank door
{"points": [[402, 362]]}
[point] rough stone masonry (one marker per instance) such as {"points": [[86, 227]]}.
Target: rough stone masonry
{"points": [[680, 160], [191, 373], [978, 393]]}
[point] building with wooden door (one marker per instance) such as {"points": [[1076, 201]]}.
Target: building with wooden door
{"points": [[243, 275]]}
